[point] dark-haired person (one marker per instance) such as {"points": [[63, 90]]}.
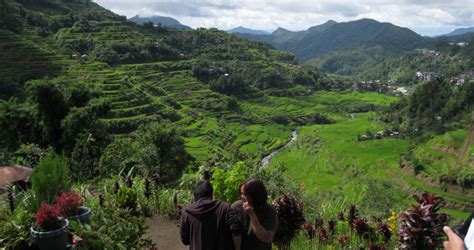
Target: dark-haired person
{"points": [[207, 224], [258, 219]]}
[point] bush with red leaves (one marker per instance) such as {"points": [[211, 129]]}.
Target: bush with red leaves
{"points": [[48, 218], [422, 226], [290, 218], [69, 203]]}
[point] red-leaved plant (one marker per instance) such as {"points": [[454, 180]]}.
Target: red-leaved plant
{"points": [[48, 218], [422, 226], [69, 203], [290, 219]]}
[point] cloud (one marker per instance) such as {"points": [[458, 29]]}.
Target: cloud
{"points": [[419, 15]]}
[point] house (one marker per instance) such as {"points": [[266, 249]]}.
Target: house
{"points": [[428, 52], [404, 90], [15, 174], [458, 81], [427, 76]]}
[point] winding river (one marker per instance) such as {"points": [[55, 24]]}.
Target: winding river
{"points": [[266, 160]]}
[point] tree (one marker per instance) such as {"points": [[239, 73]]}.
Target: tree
{"points": [[162, 149], [148, 25], [154, 147], [52, 109], [19, 124]]}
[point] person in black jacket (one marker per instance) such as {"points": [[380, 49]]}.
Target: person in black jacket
{"points": [[207, 224]]}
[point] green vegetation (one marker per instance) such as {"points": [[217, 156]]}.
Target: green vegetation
{"points": [[125, 103]]}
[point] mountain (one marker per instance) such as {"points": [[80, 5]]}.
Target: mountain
{"points": [[331, 36], [165, 21], [460, 31], [244, 30]]}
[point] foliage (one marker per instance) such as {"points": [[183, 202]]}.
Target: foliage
{"points": [[48, 218], [14, 229], [421, 227], [127, 197], [18, 124], [111, 228], [84, 160], [69, 203], [162, 149], [49, 178], [434, 107], [226, 184], [29, 154], [52, 109], [154, 147], [290, 219]]}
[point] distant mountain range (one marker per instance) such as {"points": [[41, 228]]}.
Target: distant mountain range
{"points": [[330, 36], [165, 21], [460, 31], [244, 30]]}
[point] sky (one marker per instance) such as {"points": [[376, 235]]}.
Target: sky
{"points": [[426, 17]]}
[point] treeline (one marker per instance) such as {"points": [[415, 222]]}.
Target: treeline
{"points": [[243, 77], [434, 107]]}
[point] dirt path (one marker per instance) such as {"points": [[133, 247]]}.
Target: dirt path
{"points": [[164, 233]]}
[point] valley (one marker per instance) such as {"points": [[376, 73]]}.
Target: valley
{"points": [[138, 113]]}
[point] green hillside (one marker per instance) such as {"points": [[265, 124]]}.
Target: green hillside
{"points": [[132, 116]]}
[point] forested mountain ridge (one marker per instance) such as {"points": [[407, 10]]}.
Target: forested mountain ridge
{"points": [[460, 31], [244, 30], [330, 36], [358, 48]]}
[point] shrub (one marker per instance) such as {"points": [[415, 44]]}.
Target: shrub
{"points": [[49, 178], [30, 154], [226, 184], [290, 219], [127, 197], [69, 203], [422, 226], [47, 218]]}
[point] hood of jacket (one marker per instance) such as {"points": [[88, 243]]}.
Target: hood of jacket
{"points": [[202, 208]]}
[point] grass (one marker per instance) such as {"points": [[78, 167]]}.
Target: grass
{"points": [[337, 146]]}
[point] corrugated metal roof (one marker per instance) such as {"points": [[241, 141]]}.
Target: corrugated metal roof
{"points": [[11, 174]]}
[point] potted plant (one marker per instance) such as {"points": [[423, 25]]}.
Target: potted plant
{"points": [[70, 205], [51, 229]]}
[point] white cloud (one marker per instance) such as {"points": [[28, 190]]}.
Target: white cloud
{"points": [[424, 16]]}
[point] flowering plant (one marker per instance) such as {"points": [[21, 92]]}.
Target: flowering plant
{"points": [[48, 218], [69, 203]]}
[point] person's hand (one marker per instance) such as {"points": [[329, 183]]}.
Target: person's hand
{"points": [[454, 241], [248, 209]]}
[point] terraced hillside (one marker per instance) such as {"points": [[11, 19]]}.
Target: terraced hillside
{"points": [[234, 100]]}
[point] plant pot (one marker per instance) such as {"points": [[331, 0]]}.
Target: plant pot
{"points": [[83, 217], [51, 240]]}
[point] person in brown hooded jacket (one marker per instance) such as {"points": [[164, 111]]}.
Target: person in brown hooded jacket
{"points": [[207, 224]]}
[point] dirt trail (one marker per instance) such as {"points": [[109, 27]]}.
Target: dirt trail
{"points": [[164, 232]]}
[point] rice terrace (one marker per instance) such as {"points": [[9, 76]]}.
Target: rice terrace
{"points": [[113, 113]]}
